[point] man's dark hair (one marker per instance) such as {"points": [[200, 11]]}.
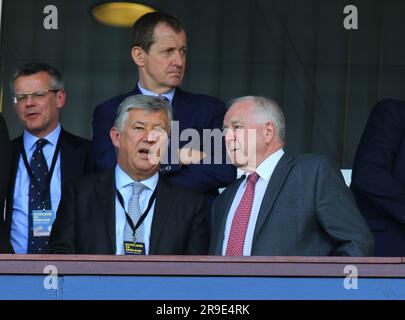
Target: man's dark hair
{"points": [[143, 28], [33, 68]]}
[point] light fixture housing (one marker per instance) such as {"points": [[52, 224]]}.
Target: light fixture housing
{"points": [[119, 14]]}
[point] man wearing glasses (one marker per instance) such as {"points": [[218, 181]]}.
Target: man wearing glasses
{"points": [[45, 157]]}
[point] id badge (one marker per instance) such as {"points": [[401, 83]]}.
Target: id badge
{"points": [[137, 248], [42, 221]]}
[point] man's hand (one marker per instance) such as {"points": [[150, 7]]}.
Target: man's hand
{"points": [[190, 156]]}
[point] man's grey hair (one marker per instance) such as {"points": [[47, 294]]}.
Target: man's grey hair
{"points": [[266, 109], [141, 102], [56, 79]]}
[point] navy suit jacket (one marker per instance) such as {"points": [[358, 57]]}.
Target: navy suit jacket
{"points": [[195, 111], [378, 176], [5, 162], [75, 162]]}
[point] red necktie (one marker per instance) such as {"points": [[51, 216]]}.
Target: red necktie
{"points": [[241, 219]]}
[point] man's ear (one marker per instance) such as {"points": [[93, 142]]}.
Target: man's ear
{"points": [[269, 131], [60, 98], [138, 55], [115, 136]]}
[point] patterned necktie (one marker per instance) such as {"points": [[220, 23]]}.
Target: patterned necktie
{"points": [[134, 211], [39, 196], [240, 220], [164, 98]]}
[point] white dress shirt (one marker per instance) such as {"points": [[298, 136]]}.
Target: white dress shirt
{"points": [[169, 94], [264, 170], [123, 183]]}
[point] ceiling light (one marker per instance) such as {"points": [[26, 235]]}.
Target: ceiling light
{"points": [[119, 14]]}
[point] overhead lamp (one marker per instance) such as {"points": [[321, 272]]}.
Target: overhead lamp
{"points": [[119, 14]]}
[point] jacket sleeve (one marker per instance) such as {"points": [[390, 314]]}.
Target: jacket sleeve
{"points": [[213, 172], [103, 151], [62, 238], [338, 214], [372, 169]]}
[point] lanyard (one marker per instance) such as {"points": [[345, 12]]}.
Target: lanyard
{"points": [[50, 172], [142, 218]]}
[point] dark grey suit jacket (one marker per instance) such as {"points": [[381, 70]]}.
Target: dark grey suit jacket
{"points": [[5, 163], [307, 210], [85, 223]]}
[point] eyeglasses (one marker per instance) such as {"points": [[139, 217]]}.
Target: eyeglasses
{"points": [[36, 95]]}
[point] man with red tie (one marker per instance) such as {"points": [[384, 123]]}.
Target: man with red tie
{"points": [[287, 205]]}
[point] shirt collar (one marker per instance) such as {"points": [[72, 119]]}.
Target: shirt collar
{"points": [[266, 168], [169, 94], [30, 140], [122, 179]]}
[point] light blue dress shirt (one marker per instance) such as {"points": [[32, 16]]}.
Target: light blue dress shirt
{"points": [[123, 184], [169, 95], [264, 170], [19, 224]]}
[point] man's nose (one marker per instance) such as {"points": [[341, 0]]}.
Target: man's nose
{"points": [[150, 136], [179, 58], [29, 100], [229, 135]]}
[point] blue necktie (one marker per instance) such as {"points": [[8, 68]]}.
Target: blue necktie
{"points": [[39, 196]]}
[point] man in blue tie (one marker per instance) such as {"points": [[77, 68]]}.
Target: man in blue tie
{"points": [[45, 157], [159, 48]]}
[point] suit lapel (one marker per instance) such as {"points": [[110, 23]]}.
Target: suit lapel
{"points": [[105, 190], [182, 106], [273, 189], [161, 212], [16, 147], [67, 158], [135, 91]]}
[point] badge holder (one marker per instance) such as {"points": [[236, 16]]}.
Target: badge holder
{"points": [[42, 221], [131, 248]]}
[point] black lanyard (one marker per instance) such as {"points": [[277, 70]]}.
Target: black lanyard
{"points": [[142, 218], [50, 172]]}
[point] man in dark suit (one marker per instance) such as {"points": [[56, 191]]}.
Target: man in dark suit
{"points": [[378, 177], [44, 157], [159, 51], [287, 205], [4, 181], [132, 209]]}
